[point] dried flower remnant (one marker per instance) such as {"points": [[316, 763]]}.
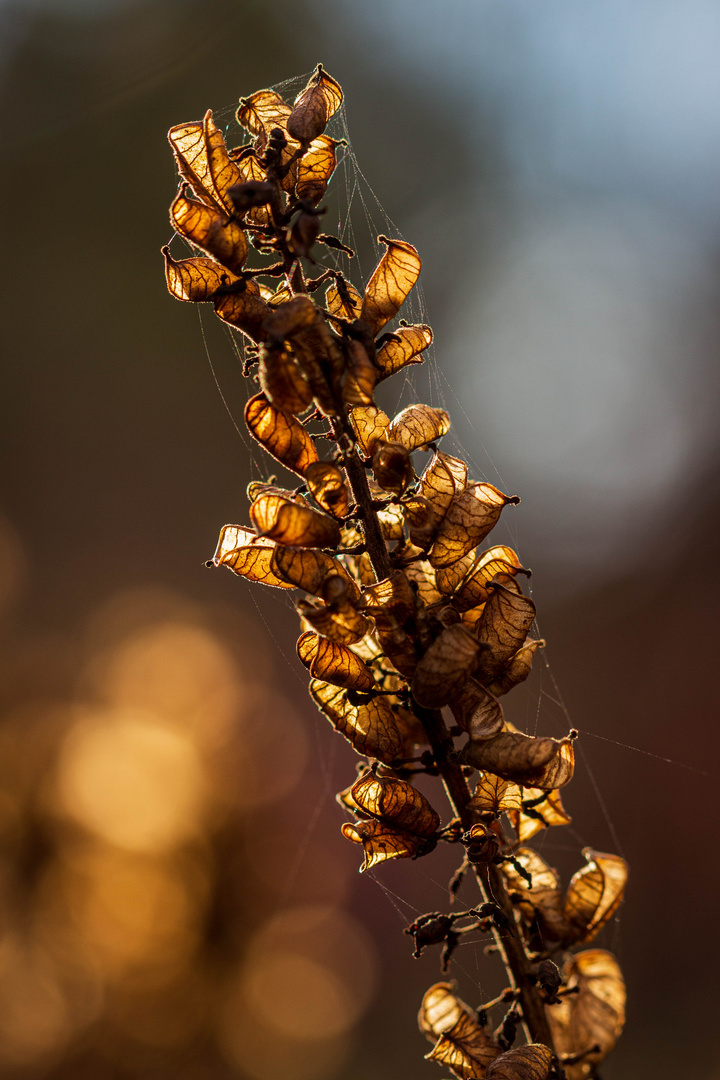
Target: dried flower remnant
{"points": [[402, 614]]}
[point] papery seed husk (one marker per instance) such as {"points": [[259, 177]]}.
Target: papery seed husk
{"points": [[445, 667]]}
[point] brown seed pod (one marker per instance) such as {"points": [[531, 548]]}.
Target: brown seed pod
{"points": [[588, 1022], [211, 230], [445, 666], [327, 486], [405, 346], [418, 425], [195, 280], [392, 280], [315, 168], [469, 518], [203, 161], [248, 556], [370, 727], [392, 466], [281, 435], [461, 1042], [334, 663], [293, 523], [314, 106], [282, 381], [531, 1062]]}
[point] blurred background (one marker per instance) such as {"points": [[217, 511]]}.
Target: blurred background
{"points": [[175, 896]]}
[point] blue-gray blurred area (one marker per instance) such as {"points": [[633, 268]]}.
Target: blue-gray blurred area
{"points": [[556, 163]]}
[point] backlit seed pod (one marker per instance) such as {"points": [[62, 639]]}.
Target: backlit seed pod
{"points": [[248, 556], [326, 484], [252, 173], [469, 518], [338, 621], [536, 762], [477, 711], [394, 802], [315, 168], [504, 625], [308, 569], [383, 842], [531, 1062], [203, 161], [314, 106], [594, 894], [444, 668], [360, 376], [418, 425], [343, 299], [293, 523], [289, 318], [281, 435], [539, 903], [420, 519], [516, 670], [303, 233], [497, 562], [249, 194], [392, 280], [370, 425], [449, 577], [370, 727], [211, 230], [392, 466], [281, 380], [244, 310], [495, 795], [334, 663], [538, 810], [194, 279], [405, 346], [588, 1022], [262, 111], [461, 1042]]}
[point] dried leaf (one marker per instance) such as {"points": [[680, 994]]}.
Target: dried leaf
{"points": [[248, 555], [497, 562], [334, 663], [504, 625], [327, 486], [536, 762], [343, 299], [595, 893], [370, 424], [370, 727], [211, 230], [315, 168], [293, 523], [392, 280], [546, 810], [304, 568], [540, 902], [496, 795], [516, 670], [245, 311], [281, 435], [203, 161], [281, 380], [469, 518], [360, 376], [314, 106], [417, 426], [404, 347], [594, 1016], [396, 803], [477, 711], [462, 1044], [262, 111], [194, 279], [531, 1062], [444, 668], [381, 842]]}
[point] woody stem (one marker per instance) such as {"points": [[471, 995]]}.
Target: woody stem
{"points": [[491, 884]]}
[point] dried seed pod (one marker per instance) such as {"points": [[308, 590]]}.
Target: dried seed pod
{"points": [[338, 619], [516, 670], [392, 466], [504, 625], [244, 310], [418, 425], [281, 380], [343, 299], [262, 111], [360, 376], [303, 233], [446, 665], [460, 1041], [370, 425], [539, 903], [334, 663], [421, 520], [203, 161], [370, 727], [392, 280], [293, 523], [477, 711], [449, 577], [248, 556], [404, 347], [252, 176], [469, 518], [211, 230], [304, 568], [381, 842], [250, 194], [315, 168], [537, 762], [314, 106], [394, 802], [327, 486], [495, 795], [281, 435], [194, 279], [531, 1062], [538, 810], [594, 894], [497, 562], [588, 1022], [287, 319], [422, 575]]}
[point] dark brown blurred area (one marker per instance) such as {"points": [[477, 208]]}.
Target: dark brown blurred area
{"points": [[175, 896]]}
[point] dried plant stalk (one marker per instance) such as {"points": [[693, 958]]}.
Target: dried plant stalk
{"points": [[403, 616]]}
